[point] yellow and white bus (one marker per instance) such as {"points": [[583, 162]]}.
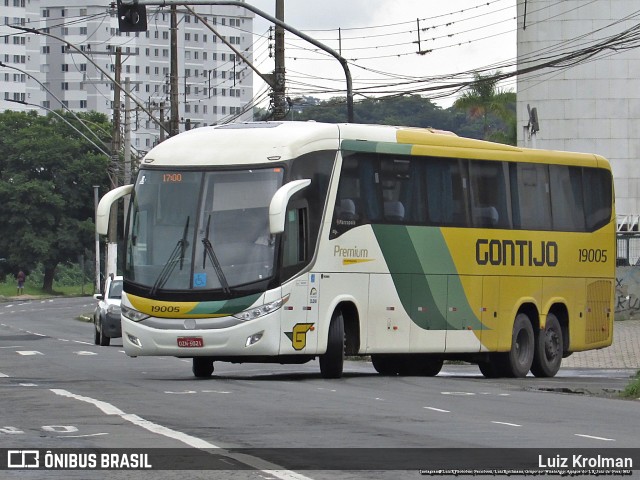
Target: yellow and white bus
{"points": [[283, 242]]}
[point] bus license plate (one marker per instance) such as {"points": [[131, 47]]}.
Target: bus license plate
{"points": [[190, 342]]}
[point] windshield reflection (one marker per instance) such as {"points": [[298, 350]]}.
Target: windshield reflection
{"points": [[201, 230]]}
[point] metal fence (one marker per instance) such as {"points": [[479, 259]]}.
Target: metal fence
{"points": [[628, 249]]}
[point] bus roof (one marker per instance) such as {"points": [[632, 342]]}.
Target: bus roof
{"points": [[263, 142]]}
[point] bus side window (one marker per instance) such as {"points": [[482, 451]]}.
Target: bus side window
{"points": [[598, 196], [294, 254], [489, 193], [531, 196]]}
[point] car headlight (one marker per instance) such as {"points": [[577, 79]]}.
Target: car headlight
{"points": [[133, 314], [113, 309], [256, 312]]}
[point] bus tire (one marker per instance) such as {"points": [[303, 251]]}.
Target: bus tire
{"points": [[385, 364], [332, 362], [517, 362], [421, 366], [548, 349], [490, 368], [202, 367]]}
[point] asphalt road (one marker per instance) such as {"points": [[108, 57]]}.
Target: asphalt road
{"points": [[59, 390]]}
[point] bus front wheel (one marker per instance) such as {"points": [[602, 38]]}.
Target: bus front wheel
{"points": [[548, 349], [332, 362], [518, 361], [202, 367]]}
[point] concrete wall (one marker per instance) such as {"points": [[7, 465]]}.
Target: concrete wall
{"points": [[627, 303], [593, 106]]}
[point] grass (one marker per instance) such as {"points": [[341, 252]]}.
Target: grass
{"points": [[9, 289], [633, 389]]}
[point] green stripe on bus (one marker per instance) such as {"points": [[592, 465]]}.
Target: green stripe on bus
{"points": [[425, 277], [376, 147], [228, 307]]}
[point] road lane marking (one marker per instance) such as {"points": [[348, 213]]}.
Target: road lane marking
{"points": [[195, 442], [81, 342], [36, 334], [83, 352], [29, 352], [437, 409], [82, 436], [506, 423], [3, 375], [595, 438]]}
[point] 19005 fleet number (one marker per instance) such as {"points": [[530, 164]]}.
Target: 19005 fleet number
{"points": [[592, 255], [165, 309]]}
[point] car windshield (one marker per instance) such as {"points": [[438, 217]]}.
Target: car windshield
{"points": [[194, 230], [115, 290]]}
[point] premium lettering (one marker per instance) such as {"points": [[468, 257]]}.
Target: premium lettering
{"points": [[516, 253], [354, 252]]}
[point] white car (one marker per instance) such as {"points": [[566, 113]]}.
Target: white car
{"points": [[106, 317]]}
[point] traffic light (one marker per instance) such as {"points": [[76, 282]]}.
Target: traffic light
{"points": [[132, 17]]}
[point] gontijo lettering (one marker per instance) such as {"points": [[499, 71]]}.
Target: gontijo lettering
{"points": [[522, 253]]}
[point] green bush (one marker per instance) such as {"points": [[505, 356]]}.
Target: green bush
{"points": [[633, 389]]}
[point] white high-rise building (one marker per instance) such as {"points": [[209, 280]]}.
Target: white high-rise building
{"points": [[215, 85], [590, 103]]}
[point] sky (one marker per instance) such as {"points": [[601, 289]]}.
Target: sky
{"points": [[379, 38]]}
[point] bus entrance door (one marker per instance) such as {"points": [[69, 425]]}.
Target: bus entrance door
{"points": [[300, 316]]}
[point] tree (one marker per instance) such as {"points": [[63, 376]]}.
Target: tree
{"points": [[484, 99], [408, 110], [47, 173]]}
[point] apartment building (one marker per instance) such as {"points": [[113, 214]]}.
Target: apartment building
{"points": [[64, 67]]}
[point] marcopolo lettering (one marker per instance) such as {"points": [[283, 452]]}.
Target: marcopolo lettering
{"points": [[516, 253]]}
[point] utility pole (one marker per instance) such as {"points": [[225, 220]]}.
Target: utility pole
{"points": [[279, 102], [115, 148], [162, 121], [174, 127], [112, 239], [127, 146]]}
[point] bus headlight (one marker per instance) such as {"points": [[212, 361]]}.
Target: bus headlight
{"points": [[132, 314], [261, 310]]}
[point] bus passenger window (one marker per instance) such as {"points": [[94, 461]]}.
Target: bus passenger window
{"points": [[489, 193], [530, 196]]}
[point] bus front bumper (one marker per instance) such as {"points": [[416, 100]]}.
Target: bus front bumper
{"points": [[257, 337]]}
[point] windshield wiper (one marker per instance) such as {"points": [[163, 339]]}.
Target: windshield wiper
{"points": [[176, 257], [209, 252]]}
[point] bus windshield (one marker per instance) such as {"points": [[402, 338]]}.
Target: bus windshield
{"points": [[201, 230]]}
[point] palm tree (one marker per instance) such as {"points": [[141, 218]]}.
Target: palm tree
{"points": [[484, 99]]}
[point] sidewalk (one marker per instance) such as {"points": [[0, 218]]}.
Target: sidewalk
{"points": [[624, 352]]}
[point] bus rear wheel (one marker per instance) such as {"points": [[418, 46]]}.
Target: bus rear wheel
{"points": [[491, 368], [202, 367], [332, 362], [385, 364], [548, 349], [421, 366], [517, 362]]}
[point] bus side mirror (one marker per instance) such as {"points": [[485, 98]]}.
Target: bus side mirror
{"points": [[278, 206], [104, 207]]}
